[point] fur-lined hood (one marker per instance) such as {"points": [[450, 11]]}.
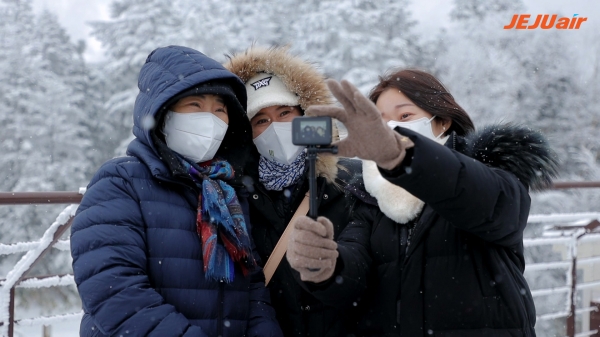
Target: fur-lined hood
{"points": [[517, 149], [299, 76]]}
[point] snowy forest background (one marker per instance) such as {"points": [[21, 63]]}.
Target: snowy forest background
{"points": [[61, 117]]}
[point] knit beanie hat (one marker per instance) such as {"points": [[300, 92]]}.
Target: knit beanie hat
{"points": [[265, 90]]}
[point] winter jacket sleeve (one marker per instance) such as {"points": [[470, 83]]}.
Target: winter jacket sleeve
{"points": [[349, 280], [262, 320], [109, 262], [485, 201]]}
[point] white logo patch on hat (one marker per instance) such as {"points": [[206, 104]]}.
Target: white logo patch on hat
{"points": [[261, 83], [272, 92]]}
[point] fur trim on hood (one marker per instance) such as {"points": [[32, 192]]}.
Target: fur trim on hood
{"points": [[299, 76], [517, 149]]}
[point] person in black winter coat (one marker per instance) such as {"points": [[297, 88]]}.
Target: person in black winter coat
{"points": [[449, 206], [281, 87], [160, 241]]}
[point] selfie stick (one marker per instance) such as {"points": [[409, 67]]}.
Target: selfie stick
{"points": [[312, 151]]}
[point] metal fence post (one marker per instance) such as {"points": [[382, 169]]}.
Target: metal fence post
{"points": [[595, 319], [579, 233], [11, 312], [573, 292], [46, 330]]}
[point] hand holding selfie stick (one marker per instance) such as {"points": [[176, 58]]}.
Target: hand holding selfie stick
{"points": [[321, 243], [313, 132]]}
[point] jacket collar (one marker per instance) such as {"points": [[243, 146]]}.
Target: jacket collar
{"points": [[158, 168]]}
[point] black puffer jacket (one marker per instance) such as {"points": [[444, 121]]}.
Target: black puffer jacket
{"points": [[452, 264], [299, 313]]}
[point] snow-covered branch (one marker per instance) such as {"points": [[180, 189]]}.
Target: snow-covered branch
{"points": [[49, 320], [21, 247], [53, 281]]}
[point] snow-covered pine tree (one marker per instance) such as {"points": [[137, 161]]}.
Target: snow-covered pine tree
{"points": [[67, 140], [513, 75], [45, 141], [354, 39], [135, 29], [138, 27], [479, 65], [21, 115], [529, 77]]}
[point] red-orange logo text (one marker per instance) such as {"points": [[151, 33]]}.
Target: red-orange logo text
{"points": [[545, 21]]}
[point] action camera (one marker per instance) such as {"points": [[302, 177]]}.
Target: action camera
{"points": [[311, 131]]}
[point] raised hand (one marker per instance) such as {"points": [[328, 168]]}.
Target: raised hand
{"points": [[368, 136]]}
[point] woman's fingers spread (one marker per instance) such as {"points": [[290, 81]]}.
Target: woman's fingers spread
{"points": [[350, 92], [366, 107], [338, 92]]}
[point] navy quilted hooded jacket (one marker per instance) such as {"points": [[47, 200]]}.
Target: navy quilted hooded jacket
{"points": [[137, 258]]}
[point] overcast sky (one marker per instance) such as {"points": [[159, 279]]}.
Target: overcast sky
{"points": [[431, 15]]}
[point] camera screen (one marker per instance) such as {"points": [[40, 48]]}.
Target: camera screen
{"points": [[311, 131]]}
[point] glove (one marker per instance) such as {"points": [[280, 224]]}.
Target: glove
{"points": [[368, 136], [311, 249]]}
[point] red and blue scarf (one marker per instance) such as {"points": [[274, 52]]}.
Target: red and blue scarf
{"points": [[220, 222]]}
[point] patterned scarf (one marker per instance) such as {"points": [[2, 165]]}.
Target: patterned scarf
{"points": [[276, 176], [220, 222]]}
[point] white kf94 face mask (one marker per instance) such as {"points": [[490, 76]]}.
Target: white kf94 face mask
{"points": [[421, 126], [275, 143], [195, 135]]}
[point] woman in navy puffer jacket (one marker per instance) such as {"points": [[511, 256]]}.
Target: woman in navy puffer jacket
{"points": [[160, 241]]}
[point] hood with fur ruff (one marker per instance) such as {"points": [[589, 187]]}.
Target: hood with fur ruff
{"points": [[517, 149], [299, 76]]}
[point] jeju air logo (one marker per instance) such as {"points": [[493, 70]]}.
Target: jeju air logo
{"points": [[545, 21]]}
